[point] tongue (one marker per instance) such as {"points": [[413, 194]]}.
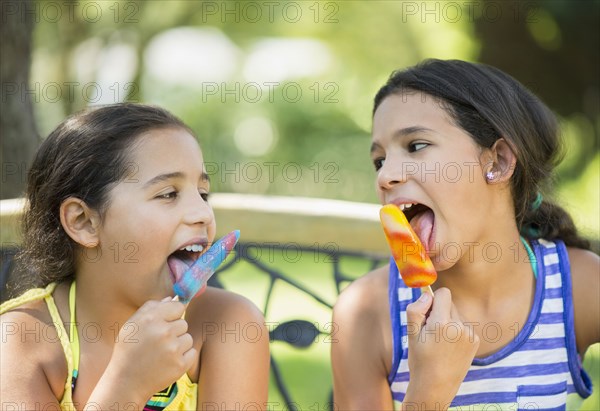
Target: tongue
{"points": [[422, 224], [178, 267]]}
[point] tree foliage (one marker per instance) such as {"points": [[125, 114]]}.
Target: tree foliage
{"points": [[552, 47]]}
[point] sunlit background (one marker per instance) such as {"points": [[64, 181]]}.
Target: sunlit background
{"points": [[280, 93]]}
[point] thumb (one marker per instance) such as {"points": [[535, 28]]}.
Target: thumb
{"points": [[416, 313]]}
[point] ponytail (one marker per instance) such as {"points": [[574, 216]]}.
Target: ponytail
{"points": [[550, 221]]}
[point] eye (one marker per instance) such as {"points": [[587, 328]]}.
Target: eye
{"points": [[378, 163], [204, 196], [416, 146], [171, 195]]}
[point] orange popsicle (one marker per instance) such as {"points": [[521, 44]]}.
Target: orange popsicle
{"points": [[409, 254]]}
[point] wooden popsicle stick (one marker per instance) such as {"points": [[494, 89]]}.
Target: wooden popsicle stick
{"points": [[427, 289], [176, 298]]}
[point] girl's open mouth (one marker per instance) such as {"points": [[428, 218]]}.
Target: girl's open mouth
{"points": [[422, 221], [181, 260]]}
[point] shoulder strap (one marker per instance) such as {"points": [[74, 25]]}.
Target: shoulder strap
{"points": [[36, 294], [31, 295], [581, 379], [74, 336], [64, 342]]}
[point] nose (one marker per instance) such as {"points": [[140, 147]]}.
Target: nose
{"points": [[390, 174], [198, 211]]}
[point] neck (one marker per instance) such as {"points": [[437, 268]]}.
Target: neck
{"points": [[489, 269], [99, 309]]}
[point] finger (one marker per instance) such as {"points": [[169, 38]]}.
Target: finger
{"points": [[454, 314], [179, 327], [189, 357], [185, 342], [171, 310], [416, 313], [442, 306]]}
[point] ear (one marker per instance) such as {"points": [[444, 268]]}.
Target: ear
{"points": [[80, 222], [500, 162]]}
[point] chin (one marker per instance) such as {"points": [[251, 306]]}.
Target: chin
{"points": [[443, 260], [441, 264], [167, 289]]}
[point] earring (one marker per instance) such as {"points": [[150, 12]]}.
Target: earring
{"points": [[489, 176]]}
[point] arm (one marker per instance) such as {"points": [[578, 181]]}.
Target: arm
{"points": [[361, 351], [23, 383], [585, 274], [438, 365], [234, 356], [161, 342], [34, 371]]}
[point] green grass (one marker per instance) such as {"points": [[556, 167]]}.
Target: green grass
{"points": [[591, 363], [307, 372]]}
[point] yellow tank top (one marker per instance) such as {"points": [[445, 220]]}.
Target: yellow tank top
{"points": [[181, 395]]}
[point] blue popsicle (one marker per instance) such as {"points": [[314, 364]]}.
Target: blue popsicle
{"points": [[204, 267]]}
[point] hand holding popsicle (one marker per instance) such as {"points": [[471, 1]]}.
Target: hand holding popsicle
{"points": [[432, 361], [196, 276], [409, 254]]}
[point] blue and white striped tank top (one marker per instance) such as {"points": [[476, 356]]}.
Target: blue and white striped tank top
{"points": [[539, 370]]}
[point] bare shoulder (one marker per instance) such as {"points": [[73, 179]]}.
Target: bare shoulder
{"points": [[584, 262], [365, 296], [28, 328], [31, 353], [233, 343], [220, 305], [585, 275], [361, 356], [362, 311], [219, 316]]}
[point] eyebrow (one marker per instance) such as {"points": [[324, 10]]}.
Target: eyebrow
{"points": [[168, 176], [403, 132]]}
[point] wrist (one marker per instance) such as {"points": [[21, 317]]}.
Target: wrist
{"points": [[115, 391], [425, 398]]}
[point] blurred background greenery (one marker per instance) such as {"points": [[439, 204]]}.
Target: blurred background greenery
{"points": [[280, 92]]}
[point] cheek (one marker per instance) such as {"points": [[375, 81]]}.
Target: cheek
{"points": [[212, 228], [147, 233], [212, 231], [460, 178], [378, 191], [141, 241]]}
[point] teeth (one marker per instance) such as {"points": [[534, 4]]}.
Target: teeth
{"points": [[405, 207], [193, 248]]}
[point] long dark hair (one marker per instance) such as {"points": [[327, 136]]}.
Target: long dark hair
{"points": [[488, 104], [84, 157]]}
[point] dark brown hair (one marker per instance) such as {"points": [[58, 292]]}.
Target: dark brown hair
{"points": [[488, 104], [84, 157]]}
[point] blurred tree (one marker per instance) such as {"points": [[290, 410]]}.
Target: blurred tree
{"points": [[17, 124], [549, 46], [552, 48]]}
